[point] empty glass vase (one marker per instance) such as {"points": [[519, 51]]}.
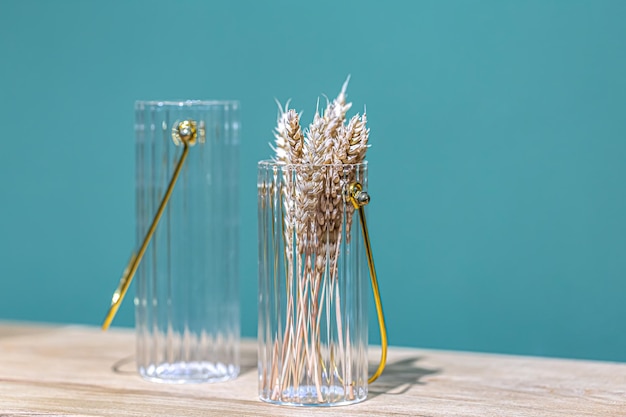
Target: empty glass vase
{"points": [[186, 304]]}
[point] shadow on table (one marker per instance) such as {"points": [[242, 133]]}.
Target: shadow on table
{"points": [[399, 377], [126, 366]]}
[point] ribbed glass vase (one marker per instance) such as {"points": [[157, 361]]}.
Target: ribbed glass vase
{"points": [[313, 286], [186, 304]]}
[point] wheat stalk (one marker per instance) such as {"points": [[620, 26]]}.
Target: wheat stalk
{"points": [[288, 150]]}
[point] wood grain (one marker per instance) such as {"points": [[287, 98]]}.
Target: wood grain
{"points": [[81, 371]]}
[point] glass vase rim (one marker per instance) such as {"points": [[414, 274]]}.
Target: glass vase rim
{"points": [[272, 163], [185, 103]]}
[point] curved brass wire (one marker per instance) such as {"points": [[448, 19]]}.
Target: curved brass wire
{"points": [[186, 134], [359, 199]]}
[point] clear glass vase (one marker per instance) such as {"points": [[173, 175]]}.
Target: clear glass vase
{"points": [[313, 286], [187, 301]]}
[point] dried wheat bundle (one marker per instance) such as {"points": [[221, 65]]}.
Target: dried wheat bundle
{"points": [[314, 177]]}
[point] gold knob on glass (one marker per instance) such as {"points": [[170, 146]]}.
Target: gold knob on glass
{"points": [[357, 196], [185, 132]]}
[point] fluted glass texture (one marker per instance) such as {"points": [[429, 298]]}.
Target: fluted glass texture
{"points": [[313, 286], [186, 304]]}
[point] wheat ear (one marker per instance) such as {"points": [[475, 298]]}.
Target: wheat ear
{"points": [[350, 148]]}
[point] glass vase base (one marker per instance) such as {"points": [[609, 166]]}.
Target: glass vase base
{"points": [[307, 396], [189, 372]]}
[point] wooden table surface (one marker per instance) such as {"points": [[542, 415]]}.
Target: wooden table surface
{"points": [[81, 371]]}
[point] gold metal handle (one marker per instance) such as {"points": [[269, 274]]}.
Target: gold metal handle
{"points": [[184, 133], [359, 200]]}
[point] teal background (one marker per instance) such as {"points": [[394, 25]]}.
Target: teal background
{"points": [[497, 166]]}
